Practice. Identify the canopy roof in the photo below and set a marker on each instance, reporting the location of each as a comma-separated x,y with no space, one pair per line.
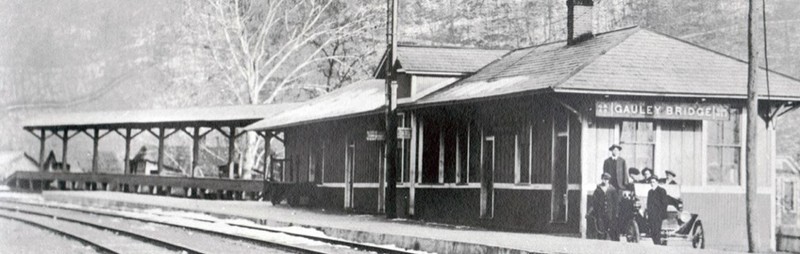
239,115
360,98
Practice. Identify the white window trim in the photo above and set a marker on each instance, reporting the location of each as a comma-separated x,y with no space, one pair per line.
458,159
742,159
517,171
530,152
441,156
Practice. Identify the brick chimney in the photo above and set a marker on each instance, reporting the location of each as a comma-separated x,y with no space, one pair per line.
579,21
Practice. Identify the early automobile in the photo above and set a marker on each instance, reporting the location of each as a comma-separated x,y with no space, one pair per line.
680,225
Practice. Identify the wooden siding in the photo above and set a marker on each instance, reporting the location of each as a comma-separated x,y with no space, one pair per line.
717,211
334,137
680,145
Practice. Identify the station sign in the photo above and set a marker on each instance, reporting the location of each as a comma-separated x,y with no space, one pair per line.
663,110
403,133
376,135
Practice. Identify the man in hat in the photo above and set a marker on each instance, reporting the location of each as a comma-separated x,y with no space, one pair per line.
605,206
615,166
657,201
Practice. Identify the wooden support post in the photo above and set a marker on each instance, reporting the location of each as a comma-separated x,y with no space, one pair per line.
231,146
160,149
65,145
195,149
267,171
127,159
95,143
42,139
412,166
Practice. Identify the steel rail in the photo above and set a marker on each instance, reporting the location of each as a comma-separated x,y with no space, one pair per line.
144,238
89,242
273,244
356,245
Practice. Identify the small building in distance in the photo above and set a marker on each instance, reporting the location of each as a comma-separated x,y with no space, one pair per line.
52,164
146,163
12,161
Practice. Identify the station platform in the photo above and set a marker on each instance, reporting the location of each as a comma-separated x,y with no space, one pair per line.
427,237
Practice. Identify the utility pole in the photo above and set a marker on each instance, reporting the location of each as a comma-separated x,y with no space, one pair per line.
390,203
752,129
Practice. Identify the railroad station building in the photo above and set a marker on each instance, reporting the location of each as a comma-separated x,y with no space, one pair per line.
516,139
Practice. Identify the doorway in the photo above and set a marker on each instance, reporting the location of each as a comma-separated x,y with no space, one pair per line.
560,166
487,178
349,170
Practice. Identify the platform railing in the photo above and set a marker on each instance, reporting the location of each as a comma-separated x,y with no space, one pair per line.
217,188
45,178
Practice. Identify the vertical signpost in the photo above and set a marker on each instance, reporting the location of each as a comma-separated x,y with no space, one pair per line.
391,111
752,120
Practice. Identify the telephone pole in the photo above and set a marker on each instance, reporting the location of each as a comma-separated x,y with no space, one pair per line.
390,204
752,129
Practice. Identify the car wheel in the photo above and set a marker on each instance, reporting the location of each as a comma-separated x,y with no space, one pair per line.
632,232
698,237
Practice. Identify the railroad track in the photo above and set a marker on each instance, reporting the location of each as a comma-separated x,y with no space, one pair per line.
121,232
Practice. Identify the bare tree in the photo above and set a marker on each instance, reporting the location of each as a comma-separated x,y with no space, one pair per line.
259,49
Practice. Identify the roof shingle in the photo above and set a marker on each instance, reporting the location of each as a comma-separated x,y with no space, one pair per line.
359,98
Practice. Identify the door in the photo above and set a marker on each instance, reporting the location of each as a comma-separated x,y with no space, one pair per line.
349,170
487,178
560,166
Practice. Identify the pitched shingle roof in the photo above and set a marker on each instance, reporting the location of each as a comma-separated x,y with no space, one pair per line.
360,98
649,62
627,61
528,69
443,59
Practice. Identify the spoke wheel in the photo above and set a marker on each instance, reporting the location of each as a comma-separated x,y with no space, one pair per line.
698,237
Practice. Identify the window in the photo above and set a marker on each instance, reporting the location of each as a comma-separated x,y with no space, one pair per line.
637,140
788,199
724,151
312,167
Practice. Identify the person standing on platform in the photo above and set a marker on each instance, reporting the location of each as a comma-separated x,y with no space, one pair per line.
605,208
656,209
615,166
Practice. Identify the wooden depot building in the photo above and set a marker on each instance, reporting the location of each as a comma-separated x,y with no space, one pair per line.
516,140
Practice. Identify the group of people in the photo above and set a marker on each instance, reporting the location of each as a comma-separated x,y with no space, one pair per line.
608,194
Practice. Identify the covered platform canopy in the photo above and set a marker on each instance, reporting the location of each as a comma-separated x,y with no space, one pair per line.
161,123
